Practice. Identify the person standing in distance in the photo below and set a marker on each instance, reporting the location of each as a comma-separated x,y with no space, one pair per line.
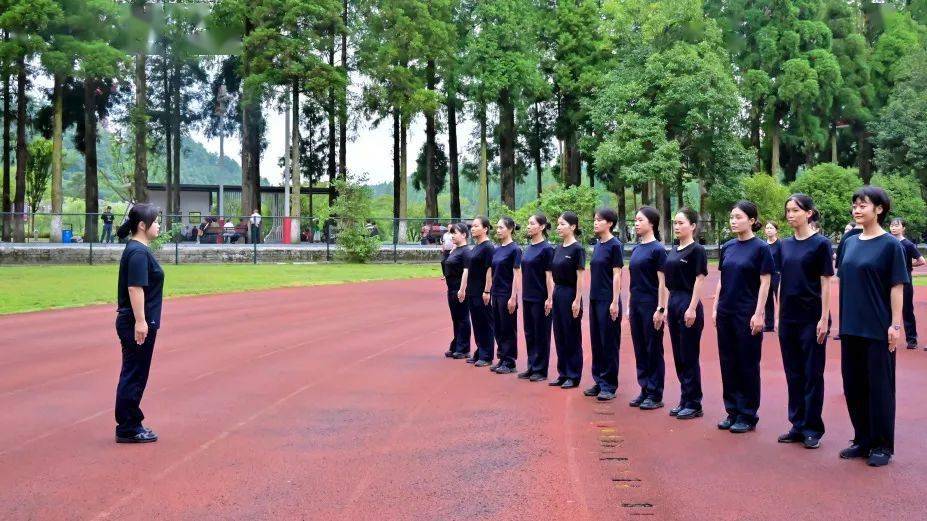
567,268
775,248
746,265
506,285
138,318
255,222
453,268
912,259
474,288
804,320
872,276
647,308
537,293
107,218
684,271
605,306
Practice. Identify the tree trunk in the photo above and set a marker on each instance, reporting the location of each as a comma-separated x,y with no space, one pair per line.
91,189
666,214
169,155
484,177
536,149
680,189
403,178
590,170
248,196
397,160
645,194
431,183
257,125
865,156
57,198
295,171
452,148
177,144
573,160
141,129
774,161
332,136
833,144
22,154
7,207
755,122
507,148
343,104
622,211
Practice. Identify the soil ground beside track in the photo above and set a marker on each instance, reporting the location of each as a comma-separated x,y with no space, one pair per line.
335,402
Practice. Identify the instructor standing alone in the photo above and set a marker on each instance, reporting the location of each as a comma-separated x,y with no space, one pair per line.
138,317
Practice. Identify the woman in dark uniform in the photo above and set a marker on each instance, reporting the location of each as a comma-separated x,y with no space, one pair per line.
506,282
646,308
474,288
775,248
804,320
537,292
684,271
138,317
872,275
454,266
605,306
912,258
740,303
567,268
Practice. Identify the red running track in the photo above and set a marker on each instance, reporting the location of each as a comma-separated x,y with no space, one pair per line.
335,402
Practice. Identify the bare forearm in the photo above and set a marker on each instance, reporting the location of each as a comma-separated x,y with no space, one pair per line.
825,298
897,301
137,299
696,292
763,295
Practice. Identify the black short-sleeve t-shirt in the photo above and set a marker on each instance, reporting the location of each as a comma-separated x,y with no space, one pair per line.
910,253
454,266
480,259
505,260
804,262
868,270
847,235
606,257
646,260
683,266
138,267
535,263
567,260
775,249
741,263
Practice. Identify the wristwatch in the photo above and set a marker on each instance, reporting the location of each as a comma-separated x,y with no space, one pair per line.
897,327
485,293
661,309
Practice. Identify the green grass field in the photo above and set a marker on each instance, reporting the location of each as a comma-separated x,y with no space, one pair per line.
920,280
33,288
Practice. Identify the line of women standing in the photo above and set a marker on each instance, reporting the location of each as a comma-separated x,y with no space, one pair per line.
665,292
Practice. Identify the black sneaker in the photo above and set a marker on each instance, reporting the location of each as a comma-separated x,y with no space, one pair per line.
537,377
879,458
504,369
558,382
726,423
912,346
791,437
569,384
649,405
605,396
675,410
854,451
481,363
741,427
688,414
526,375
471,360
493,367
460,356
637,401
449,354
811,442
592,391
146,436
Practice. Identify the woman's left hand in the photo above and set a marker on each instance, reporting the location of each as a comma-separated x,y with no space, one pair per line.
757,323
893,335
513,305
576,308
658,320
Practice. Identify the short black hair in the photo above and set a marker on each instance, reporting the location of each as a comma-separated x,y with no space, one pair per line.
608,215
901,221
878,197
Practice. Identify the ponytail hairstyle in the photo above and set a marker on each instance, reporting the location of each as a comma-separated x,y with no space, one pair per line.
608,215
653,216
484,222
541,219
509,223
461,228
806,203
749,208
140,213
691,215
572,220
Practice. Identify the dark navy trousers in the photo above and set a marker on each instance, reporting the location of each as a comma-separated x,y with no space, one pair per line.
648,349
605,337
481,320
460,320
568,335
505,327
537,336
907,316
136,363
771,301
686,343
869,387
803,359
739,352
